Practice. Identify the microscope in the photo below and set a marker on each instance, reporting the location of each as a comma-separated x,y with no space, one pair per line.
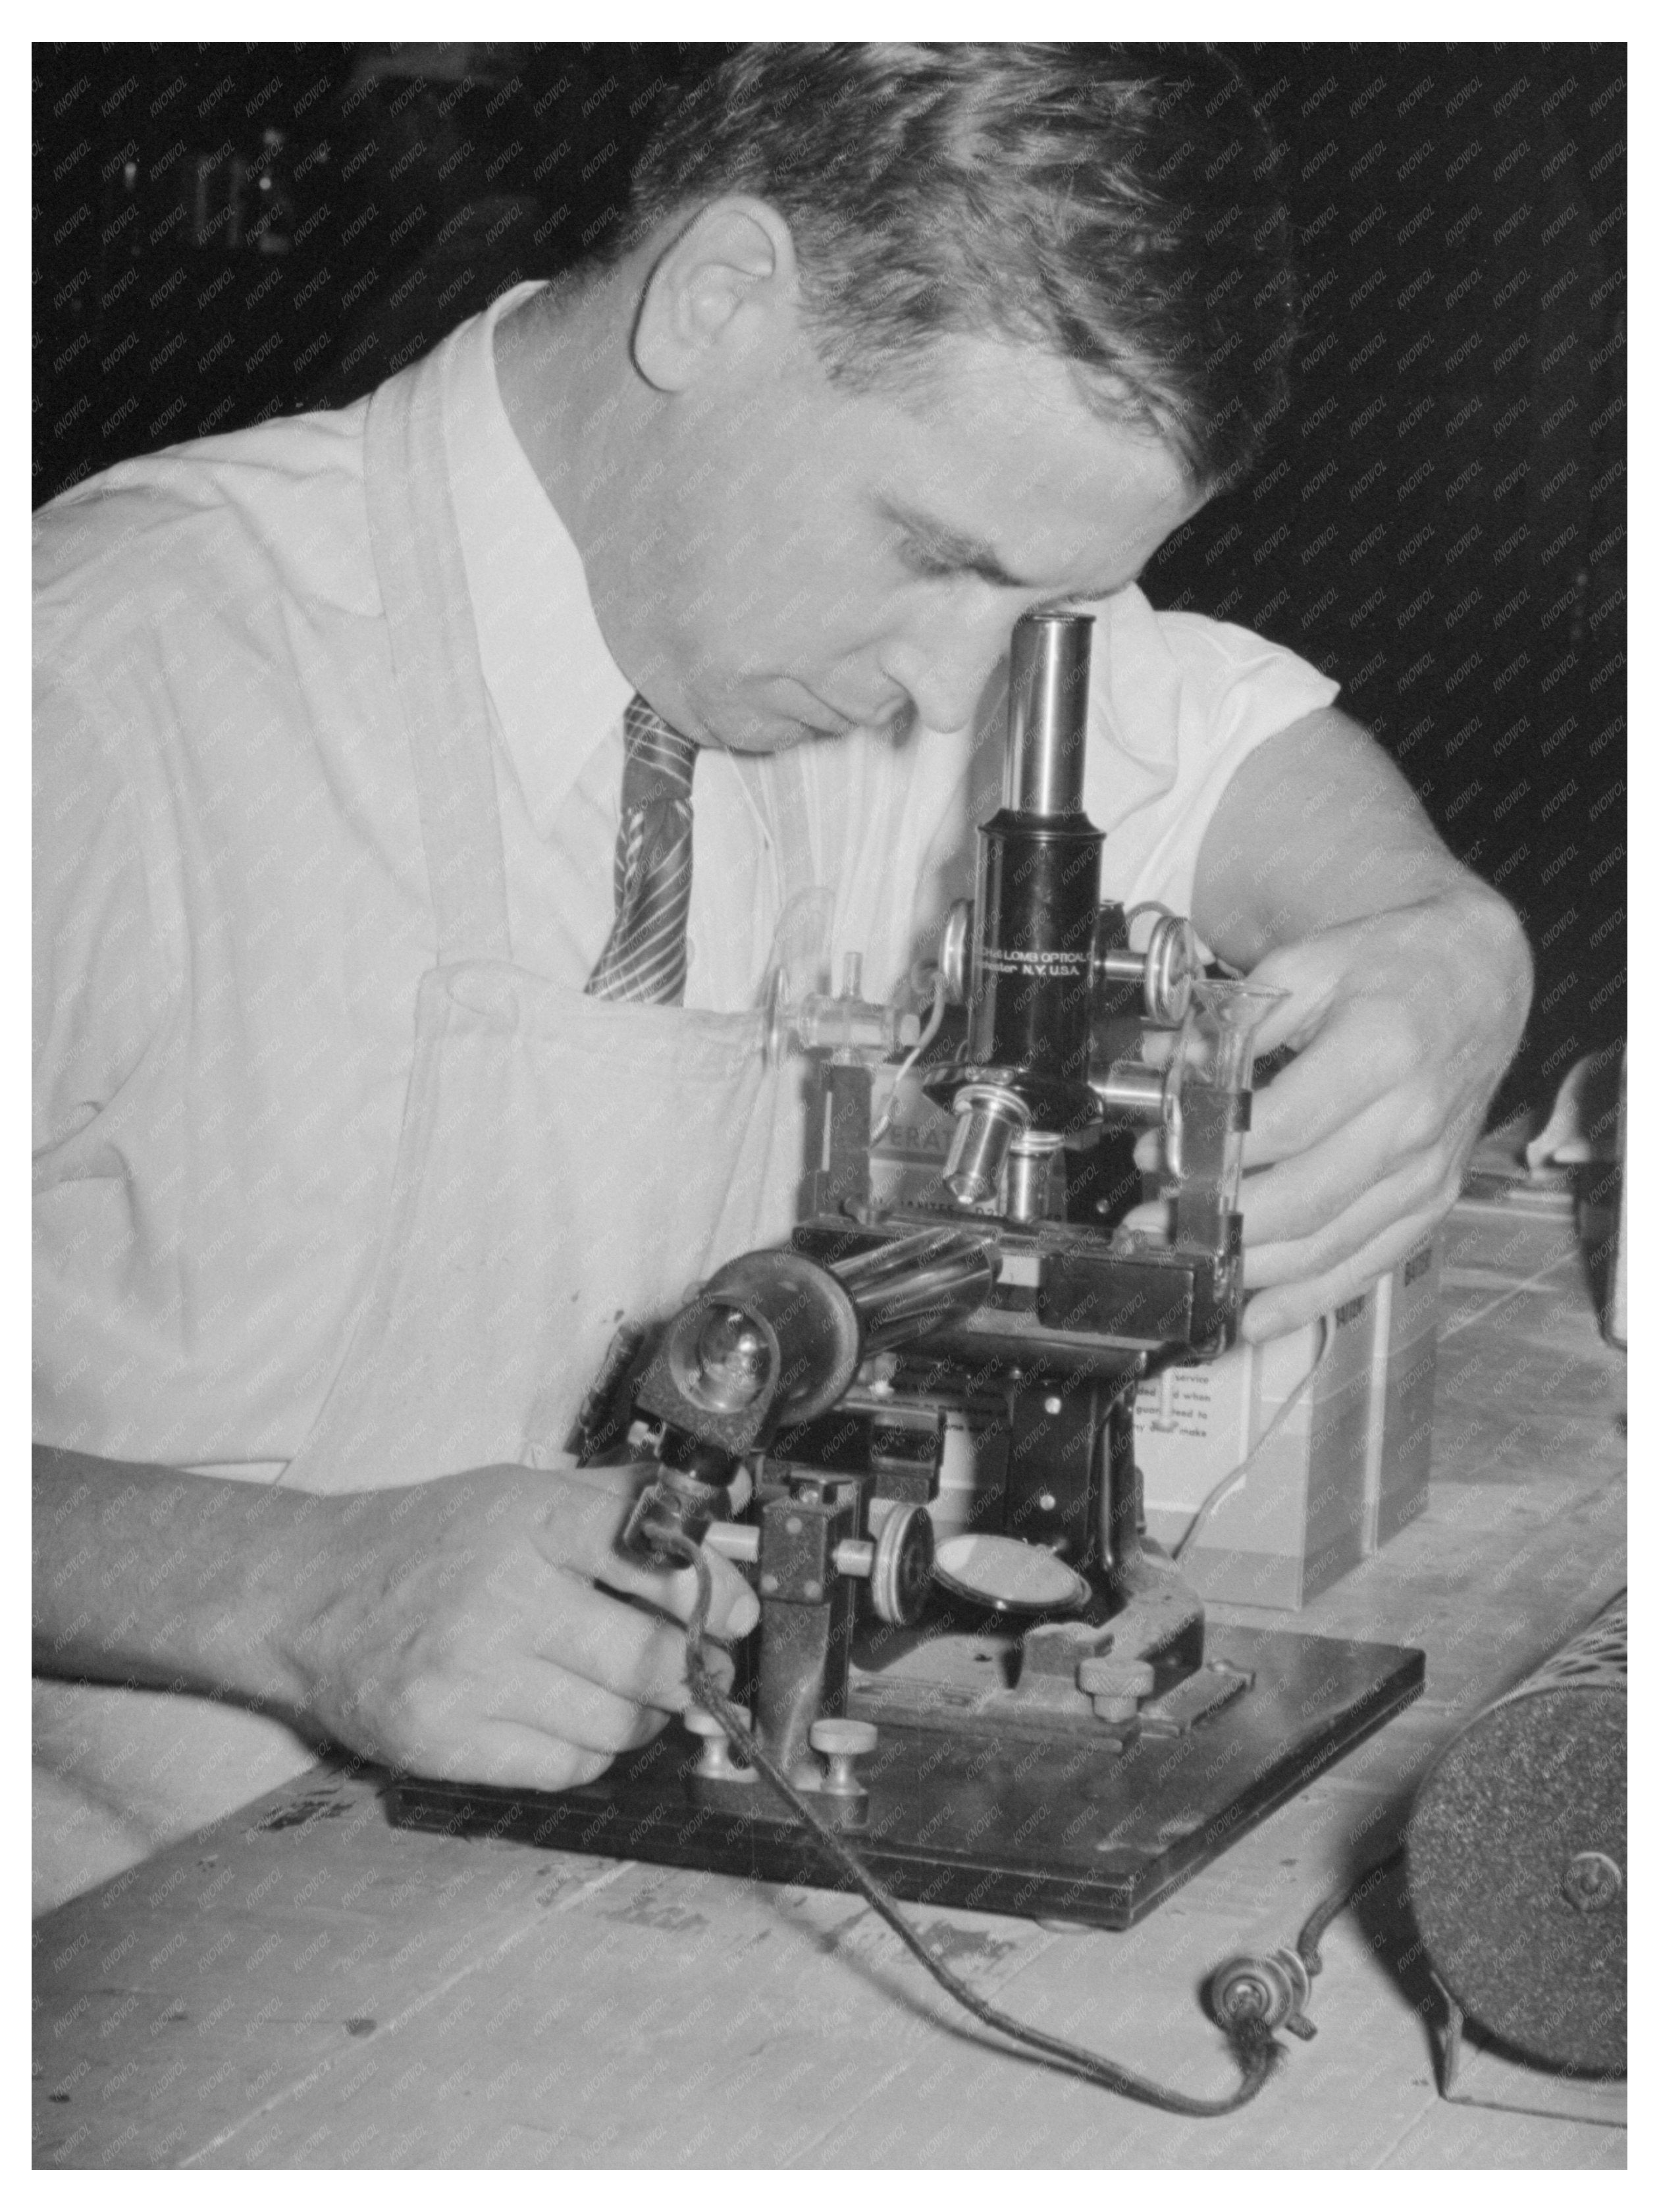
912,1425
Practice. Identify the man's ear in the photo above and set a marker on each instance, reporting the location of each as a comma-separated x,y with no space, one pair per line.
733,264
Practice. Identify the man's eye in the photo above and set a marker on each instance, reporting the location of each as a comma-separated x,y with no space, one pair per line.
923,561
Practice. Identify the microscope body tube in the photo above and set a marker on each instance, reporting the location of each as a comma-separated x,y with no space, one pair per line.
914,1284
1039,889
1047,716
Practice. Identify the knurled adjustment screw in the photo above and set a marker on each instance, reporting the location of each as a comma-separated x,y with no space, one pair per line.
714,1761
1592,1882
1117,1685
841,1743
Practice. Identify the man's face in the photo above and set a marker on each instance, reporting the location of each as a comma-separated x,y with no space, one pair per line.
821,559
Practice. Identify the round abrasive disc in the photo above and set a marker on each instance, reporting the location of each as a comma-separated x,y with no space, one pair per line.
1517,1866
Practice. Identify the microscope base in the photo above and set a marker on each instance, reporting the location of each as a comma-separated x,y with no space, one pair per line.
1095,1830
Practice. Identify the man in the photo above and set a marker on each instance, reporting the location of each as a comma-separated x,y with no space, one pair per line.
361,1115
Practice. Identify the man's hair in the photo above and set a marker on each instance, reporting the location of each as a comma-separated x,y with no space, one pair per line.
1114,206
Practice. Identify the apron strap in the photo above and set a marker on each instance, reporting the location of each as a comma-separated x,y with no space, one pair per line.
435,658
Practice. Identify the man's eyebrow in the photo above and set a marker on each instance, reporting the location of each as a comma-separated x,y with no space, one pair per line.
953,548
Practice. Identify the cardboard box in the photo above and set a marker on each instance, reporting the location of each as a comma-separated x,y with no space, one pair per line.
1308,1463
1403,1394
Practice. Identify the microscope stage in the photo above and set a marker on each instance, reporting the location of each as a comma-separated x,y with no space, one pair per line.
1080,1824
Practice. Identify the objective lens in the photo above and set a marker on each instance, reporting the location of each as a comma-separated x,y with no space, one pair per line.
988,1119
730,1361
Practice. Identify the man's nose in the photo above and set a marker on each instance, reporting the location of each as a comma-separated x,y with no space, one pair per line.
945,666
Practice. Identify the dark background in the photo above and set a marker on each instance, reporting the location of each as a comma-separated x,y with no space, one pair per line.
226,232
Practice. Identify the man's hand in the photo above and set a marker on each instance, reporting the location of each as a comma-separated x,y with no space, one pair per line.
479,1629
1402,1023
1408,985
482,1628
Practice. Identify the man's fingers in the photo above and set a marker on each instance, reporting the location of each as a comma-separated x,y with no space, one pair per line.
631,1650
1304,1000
1354,1065
1325,1199
583,1523
1302,1298
1294,1237
571,1708
1417,1192
485,1646
1341,1192
520,1757
734,1608
429,1722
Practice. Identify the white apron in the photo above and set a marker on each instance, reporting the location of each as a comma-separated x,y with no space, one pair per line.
563,1161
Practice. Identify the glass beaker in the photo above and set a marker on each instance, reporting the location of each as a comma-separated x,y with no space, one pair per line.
1209,1090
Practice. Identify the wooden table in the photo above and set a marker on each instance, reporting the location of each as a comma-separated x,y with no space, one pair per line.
304,1985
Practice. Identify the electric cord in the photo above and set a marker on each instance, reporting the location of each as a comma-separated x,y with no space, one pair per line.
1229,1483
1250,2037
1150,906
1274,1987
1307,1943
916,1050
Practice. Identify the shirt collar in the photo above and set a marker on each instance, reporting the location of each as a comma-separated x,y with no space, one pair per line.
558,694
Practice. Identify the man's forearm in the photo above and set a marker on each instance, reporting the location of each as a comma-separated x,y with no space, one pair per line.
1316,828
146,1576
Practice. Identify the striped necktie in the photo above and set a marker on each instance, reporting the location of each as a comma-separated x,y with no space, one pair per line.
644,956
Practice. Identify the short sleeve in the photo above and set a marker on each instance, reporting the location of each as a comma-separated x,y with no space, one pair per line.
100,981
1177,703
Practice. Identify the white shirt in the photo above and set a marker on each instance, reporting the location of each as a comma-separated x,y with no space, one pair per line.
231,907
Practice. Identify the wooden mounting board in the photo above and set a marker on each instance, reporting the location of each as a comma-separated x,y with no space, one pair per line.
1062,1829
